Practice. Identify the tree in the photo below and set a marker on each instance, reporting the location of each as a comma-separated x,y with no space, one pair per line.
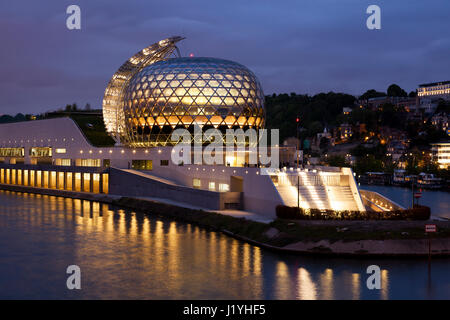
412,94
87,107
372,93
368,163
392,116
443,106
395,91
68,108
336,161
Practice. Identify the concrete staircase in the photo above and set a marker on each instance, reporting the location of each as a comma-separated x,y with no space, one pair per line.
320,197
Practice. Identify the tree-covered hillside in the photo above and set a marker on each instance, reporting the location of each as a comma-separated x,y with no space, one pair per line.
315,112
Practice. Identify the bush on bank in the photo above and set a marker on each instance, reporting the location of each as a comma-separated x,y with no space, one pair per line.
295,213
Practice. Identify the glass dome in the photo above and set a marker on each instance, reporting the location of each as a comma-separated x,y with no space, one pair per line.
183,92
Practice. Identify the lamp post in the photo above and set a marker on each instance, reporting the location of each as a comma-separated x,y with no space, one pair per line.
297,120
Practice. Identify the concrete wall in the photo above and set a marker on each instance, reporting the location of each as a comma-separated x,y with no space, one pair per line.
129,184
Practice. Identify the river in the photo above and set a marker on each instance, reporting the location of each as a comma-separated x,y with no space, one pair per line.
124,255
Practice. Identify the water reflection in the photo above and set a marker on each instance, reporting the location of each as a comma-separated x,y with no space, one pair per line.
126,254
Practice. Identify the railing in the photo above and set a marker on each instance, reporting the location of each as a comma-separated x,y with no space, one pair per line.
310,179
377,202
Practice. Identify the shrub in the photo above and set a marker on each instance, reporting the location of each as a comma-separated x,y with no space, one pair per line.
285,212
294,213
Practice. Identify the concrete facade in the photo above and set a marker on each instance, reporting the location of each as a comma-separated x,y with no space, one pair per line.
210,186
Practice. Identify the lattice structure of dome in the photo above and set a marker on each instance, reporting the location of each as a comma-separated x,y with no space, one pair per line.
161,94
113,116
183,92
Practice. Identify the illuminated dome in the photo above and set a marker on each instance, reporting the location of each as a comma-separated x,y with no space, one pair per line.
183,92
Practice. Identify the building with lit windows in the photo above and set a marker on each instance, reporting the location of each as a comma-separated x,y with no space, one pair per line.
429,95
150,96
441,154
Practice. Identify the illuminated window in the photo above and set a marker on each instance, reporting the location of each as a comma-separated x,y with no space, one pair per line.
223,187
8,176
196,183
25,177
69,181
13,176
32,178
105,183
52,182
212,186
12,152
96,183
19,177
2,175
63,162
77,181
87,182
45,179
88,162
142,164
61,180
40,152
60,150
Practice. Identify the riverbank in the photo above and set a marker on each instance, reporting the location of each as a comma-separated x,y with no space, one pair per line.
340,238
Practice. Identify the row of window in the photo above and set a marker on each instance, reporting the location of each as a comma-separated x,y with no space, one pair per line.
33,152
70,181
12,152
223,187
136,164
147,164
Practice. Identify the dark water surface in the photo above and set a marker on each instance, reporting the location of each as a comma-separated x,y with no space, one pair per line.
123,254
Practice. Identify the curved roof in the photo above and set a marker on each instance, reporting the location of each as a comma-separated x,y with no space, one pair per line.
112,101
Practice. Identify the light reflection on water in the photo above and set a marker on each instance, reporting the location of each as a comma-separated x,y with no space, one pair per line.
123,254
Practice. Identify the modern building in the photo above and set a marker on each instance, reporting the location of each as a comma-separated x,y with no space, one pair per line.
147,99
441,154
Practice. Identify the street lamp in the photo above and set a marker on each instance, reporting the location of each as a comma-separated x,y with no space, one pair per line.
297,121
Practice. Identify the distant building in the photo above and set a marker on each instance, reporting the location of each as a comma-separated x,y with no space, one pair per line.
440,121
409,104
441,154
316,141
388,134
346,110
346,131
396,149
429,95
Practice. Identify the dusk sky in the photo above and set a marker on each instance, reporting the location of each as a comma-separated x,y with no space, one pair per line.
297,46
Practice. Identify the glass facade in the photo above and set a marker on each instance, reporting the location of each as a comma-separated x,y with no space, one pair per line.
184,92
112,100
87,182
